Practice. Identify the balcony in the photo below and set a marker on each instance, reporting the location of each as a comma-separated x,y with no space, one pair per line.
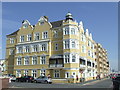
82,66
56,65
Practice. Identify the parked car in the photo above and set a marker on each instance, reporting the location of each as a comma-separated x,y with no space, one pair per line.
43,79
25,79
116,83
13,78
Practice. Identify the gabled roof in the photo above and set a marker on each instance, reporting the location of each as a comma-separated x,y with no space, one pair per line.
54,24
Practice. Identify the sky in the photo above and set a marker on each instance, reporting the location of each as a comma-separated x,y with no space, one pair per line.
100,18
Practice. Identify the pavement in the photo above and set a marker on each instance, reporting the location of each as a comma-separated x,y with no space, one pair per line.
103,83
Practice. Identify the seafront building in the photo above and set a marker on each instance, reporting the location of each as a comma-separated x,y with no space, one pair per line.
60,48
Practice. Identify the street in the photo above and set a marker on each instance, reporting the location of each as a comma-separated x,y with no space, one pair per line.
107,83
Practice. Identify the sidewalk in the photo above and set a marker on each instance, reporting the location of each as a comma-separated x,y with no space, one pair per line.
91,81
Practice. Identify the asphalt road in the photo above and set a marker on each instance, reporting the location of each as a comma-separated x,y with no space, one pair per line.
107,83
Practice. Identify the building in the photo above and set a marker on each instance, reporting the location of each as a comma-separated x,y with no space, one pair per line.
2,66
61,49
102,62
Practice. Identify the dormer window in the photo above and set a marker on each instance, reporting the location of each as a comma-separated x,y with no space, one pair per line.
41,20
41,23
25,23
25,26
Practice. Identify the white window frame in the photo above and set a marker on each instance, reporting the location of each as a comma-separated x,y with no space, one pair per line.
26,72
34,73
67,58
29,37
18,73
45,35
73,58
27,49
35,48
34,60
42,59
74,73
20,49
66,44
83,49
43,47
11,40
66,31
67,73
73,31
73,44
42,72
19,61
26,60
37,36
56,73
83,38
22,38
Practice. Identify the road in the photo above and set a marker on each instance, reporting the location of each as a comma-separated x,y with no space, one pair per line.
107,83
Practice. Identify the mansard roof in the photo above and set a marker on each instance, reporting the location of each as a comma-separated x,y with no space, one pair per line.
56,23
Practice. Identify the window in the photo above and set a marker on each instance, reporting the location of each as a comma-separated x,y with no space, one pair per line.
88,53
26,61
67,75
67,59
89,43
34,60
57,73
73,31
45,35
66,31
37,37
18,73
25,72
42,60
20,49
11,52
22,38
56,46
35,48
83,49
83,37
27,49
42,72
11,40
73,44
43,48
29,37
73,58
55,34
74,74
66,45
19,61
92,55
34,73
25,26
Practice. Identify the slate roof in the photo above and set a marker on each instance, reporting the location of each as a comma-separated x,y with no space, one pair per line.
54,24
13,33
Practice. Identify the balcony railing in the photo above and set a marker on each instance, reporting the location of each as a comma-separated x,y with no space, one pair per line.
82,66
56,65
